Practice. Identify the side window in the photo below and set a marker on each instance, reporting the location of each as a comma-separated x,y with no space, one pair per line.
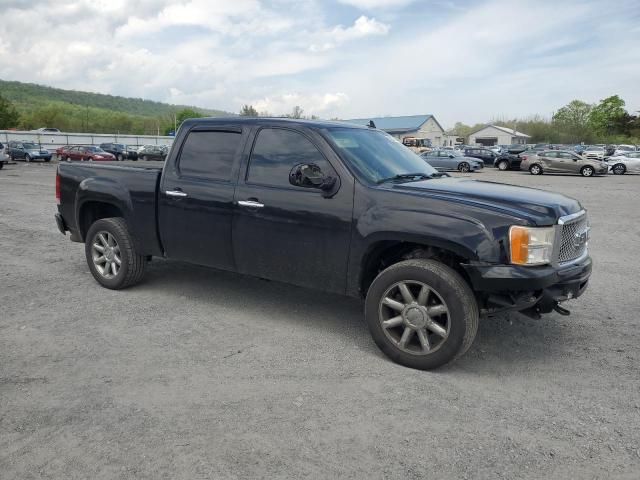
277,151
209,154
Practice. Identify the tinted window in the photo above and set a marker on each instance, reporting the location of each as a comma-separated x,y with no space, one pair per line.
208,154
276,152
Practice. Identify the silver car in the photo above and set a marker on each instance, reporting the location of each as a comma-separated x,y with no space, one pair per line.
562,161
621,164
450,160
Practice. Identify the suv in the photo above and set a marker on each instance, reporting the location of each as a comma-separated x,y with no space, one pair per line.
563,161
119,151
340,208
153,152
487,156
27,151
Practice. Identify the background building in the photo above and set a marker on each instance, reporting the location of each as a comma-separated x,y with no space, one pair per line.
494,135
419,126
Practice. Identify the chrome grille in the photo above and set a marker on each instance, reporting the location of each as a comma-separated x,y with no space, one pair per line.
575,233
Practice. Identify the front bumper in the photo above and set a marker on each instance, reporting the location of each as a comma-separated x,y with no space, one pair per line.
547,284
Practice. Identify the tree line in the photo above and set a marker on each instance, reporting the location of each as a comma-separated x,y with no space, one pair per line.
604,122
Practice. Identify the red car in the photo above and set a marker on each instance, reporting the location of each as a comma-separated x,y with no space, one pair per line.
79,152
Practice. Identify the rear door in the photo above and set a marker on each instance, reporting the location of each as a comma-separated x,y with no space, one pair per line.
434,160
195,201
295,234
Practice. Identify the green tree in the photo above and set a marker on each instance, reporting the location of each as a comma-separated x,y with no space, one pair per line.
185,114
572,120
296,112
608,117
248,111
9,116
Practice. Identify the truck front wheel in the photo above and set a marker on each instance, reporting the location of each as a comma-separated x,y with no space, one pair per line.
421,313
111,255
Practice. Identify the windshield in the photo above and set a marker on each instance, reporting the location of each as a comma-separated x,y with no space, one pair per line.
626,148
94,149
376,155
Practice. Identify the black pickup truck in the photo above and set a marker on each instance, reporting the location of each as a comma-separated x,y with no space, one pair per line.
339,208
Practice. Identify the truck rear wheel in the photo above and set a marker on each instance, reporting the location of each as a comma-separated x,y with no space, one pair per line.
421,313
111,255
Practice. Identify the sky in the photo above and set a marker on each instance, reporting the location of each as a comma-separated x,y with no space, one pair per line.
468,60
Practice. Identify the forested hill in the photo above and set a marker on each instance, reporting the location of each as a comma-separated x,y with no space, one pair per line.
29,96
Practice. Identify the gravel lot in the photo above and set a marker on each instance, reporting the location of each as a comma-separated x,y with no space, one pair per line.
203,374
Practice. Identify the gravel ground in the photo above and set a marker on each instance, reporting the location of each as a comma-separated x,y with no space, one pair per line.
203,374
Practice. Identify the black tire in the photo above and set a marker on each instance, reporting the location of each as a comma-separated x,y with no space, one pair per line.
27,158
619,169
463,167
503,165
1,164
67,159
120,158
145,158
535,169
47,160
462,316
132,265
587,171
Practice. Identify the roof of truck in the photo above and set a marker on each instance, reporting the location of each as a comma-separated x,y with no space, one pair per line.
272,120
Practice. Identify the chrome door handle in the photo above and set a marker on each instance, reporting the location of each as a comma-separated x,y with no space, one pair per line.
175,193
250,203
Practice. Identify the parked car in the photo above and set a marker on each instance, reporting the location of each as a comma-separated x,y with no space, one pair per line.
621,164
153,152
27,151
3,156
484,154
623,150
449,160
580,149
594,152
507,161
86,153
515,149
120,151
340,208
562,161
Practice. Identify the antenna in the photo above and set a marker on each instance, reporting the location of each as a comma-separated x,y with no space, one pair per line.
371,124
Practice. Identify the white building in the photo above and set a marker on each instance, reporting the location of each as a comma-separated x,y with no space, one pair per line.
418,126
494,135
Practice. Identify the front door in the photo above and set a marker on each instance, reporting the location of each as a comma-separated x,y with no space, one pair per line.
195,204
295,234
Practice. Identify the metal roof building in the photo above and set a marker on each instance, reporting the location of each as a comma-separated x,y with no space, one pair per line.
419,126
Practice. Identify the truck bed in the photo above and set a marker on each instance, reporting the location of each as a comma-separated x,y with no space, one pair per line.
132,188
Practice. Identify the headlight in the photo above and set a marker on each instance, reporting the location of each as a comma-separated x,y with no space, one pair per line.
531,246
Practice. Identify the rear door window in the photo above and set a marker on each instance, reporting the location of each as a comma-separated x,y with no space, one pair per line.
209,154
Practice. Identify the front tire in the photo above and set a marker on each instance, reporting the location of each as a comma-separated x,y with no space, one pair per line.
503,165
464,167
145,158
111,255
421,313
619,169
587,171
120,158
535,169
27,158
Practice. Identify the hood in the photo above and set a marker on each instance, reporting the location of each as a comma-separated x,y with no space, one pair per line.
536,206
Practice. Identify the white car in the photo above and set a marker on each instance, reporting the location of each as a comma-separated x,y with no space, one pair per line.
621,164
594,153
624,149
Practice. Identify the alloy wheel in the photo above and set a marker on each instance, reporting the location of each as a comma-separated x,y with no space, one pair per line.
105,253
414,317
464,167
619,169
587,171
503,165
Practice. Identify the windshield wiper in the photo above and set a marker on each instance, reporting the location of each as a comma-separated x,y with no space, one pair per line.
412,177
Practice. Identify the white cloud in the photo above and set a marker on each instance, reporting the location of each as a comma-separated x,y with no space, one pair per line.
314,103
362,27
376,4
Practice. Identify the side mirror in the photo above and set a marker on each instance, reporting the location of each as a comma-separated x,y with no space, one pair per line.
309,175
452,156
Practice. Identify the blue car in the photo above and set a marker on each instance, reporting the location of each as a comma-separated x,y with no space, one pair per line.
27,151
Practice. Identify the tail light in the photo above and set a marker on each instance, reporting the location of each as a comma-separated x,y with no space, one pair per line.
523,157
57,187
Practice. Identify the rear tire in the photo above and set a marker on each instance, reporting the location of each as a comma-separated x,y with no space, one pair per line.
535,169
449,307
503,165
587,171
112,235
120,158
619,169
27,158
